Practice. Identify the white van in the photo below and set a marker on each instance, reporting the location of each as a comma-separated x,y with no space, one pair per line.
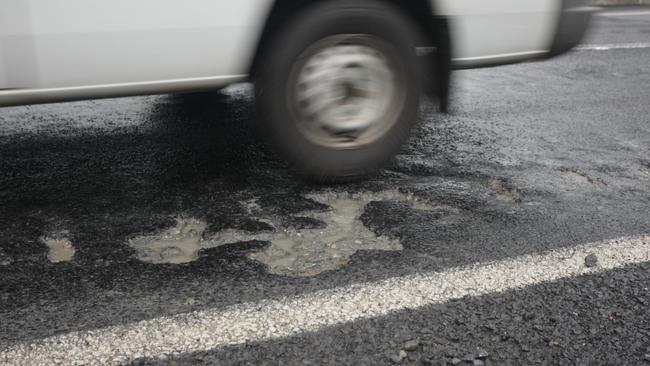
338,82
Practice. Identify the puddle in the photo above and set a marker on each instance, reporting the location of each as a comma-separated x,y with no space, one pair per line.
177,245
293,252
60,248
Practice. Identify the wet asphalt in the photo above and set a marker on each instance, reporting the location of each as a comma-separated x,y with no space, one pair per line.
532,157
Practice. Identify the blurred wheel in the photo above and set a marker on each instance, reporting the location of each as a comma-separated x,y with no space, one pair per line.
339,91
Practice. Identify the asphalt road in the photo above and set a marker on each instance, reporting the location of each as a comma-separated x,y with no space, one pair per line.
514,230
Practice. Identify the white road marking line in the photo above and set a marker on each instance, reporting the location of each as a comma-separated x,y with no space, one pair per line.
612,46
272,319
623,13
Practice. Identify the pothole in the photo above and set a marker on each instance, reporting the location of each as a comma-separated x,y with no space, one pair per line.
325,242
60,248
176,245
505,191
579,177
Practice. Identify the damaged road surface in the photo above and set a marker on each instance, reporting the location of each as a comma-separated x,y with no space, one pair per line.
308,244
161,230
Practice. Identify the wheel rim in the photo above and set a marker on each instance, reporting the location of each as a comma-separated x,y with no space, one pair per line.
345,92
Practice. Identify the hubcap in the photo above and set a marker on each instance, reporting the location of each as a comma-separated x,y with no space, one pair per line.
346,92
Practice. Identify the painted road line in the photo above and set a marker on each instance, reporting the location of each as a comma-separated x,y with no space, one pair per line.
273,319
612,46
623,13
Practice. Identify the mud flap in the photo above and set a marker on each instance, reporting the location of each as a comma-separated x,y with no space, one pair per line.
437,63
443,64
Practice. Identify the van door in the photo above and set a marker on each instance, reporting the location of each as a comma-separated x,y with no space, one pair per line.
72,43
492,31
17,53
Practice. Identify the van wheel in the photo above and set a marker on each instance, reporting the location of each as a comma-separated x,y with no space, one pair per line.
338,90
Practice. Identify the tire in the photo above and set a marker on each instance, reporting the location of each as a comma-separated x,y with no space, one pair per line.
338,90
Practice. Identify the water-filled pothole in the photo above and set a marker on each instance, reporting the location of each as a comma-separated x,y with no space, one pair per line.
176,245
60,248
321,241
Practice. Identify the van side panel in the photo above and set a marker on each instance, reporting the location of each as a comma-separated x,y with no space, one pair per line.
487,32
75,43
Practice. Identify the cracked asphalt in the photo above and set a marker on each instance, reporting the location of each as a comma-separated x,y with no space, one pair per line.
534,158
